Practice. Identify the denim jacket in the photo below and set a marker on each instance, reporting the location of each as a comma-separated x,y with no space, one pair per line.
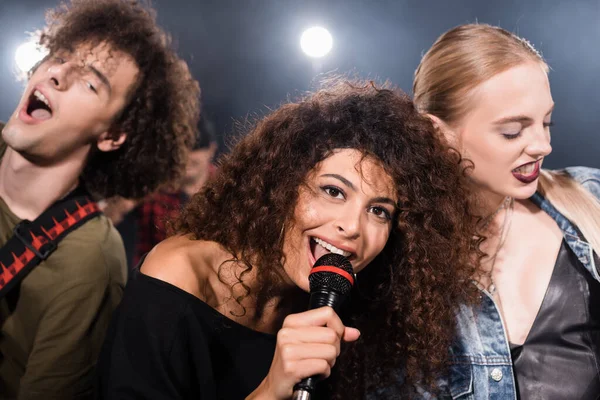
481,365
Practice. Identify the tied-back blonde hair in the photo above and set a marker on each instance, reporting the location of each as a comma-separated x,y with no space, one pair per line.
465,57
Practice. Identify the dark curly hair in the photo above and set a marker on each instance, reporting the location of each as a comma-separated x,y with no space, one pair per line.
161,116
405,300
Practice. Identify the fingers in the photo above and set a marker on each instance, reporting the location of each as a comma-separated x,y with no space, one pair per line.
308,344
324,316
309,334
351,334
305,368
302,351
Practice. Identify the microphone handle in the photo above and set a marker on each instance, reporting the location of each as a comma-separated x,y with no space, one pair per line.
319,298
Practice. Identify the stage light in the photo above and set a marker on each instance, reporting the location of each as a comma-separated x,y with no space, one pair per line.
28,54
316,42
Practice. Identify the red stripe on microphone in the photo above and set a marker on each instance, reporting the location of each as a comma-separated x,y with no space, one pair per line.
335,270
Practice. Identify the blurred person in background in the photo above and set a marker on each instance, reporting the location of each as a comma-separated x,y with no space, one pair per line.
143,224
154,211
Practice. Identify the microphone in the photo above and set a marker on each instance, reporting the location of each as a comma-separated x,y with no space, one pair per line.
330,279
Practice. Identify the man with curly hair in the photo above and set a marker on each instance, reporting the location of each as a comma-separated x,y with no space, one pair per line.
112,110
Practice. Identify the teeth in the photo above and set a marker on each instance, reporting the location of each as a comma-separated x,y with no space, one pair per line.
41,97
332,248
526,169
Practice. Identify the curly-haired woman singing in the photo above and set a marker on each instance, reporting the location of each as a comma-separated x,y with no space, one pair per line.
216,311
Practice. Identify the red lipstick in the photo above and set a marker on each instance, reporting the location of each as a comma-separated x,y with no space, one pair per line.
529,177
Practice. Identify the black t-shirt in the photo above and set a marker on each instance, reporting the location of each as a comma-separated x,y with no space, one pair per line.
164,343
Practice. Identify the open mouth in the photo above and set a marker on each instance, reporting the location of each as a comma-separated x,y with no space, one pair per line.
319,248
527,173
38,106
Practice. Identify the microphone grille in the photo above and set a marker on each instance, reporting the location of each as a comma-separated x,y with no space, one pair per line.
332,271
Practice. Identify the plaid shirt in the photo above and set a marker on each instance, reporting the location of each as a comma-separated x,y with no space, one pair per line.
152,215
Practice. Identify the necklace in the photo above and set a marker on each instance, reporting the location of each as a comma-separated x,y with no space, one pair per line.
486,221
507,204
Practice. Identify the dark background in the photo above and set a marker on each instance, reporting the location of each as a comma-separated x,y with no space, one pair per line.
247,57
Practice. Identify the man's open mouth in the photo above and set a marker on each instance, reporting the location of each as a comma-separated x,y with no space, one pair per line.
38,106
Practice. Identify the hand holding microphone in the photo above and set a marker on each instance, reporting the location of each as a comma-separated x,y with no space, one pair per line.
308,343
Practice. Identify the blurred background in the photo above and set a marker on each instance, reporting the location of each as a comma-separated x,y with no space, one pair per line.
248,58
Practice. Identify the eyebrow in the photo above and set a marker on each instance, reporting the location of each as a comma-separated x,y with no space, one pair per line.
102,77
346,182
523,119
386,200
341,178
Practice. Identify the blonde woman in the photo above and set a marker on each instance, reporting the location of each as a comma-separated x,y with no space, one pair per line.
536,332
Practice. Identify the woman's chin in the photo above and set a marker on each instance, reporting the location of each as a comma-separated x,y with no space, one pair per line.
525,192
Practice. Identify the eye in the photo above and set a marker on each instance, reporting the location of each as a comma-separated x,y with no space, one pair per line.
380,212
548,124
511,136
59,60
334,192
91,87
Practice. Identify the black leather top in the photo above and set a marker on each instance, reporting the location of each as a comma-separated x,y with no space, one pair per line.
560,357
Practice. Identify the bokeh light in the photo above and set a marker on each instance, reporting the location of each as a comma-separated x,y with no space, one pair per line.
28,54
316,42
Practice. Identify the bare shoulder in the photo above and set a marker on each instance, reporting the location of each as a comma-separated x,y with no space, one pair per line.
179,261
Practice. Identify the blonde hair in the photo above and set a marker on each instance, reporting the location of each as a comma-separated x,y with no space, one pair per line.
468,55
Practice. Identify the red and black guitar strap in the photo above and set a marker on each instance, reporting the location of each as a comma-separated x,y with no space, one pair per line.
34,241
